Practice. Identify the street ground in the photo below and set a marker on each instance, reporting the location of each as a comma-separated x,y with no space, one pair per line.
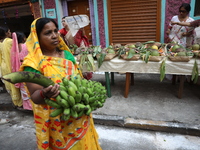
149,100
19,134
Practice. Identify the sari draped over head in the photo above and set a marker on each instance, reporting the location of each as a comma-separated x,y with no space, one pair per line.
5,50
53,133
17,57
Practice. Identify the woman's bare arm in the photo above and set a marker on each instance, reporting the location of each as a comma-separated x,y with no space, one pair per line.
181,23
38,93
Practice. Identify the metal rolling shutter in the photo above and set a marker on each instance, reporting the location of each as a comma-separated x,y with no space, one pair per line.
133,21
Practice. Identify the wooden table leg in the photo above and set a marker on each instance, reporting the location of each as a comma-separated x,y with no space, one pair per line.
108,84
132,78
112,78
181,85
174,79
127,84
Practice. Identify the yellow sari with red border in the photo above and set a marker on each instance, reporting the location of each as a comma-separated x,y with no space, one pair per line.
53,133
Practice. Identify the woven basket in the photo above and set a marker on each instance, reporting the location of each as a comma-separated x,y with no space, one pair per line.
135,57
156,58
197,53
108,56
180,58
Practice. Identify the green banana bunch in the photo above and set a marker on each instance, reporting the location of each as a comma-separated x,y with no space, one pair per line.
81,96
77,96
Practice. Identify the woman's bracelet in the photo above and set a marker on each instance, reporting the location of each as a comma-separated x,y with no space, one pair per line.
42,94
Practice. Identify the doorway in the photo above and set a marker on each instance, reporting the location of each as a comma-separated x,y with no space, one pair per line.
18,17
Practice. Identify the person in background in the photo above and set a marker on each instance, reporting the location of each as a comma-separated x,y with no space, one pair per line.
79,39
193,24
179,34
18,52
49,55
5,50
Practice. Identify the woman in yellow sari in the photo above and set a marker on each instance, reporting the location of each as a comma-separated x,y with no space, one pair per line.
5,48
49,55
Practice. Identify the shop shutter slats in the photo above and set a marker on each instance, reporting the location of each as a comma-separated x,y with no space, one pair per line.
134,21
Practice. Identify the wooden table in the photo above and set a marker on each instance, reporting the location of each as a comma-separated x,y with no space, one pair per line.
139,66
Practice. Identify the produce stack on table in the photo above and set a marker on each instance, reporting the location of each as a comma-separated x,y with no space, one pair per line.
178,53
77,96
147,51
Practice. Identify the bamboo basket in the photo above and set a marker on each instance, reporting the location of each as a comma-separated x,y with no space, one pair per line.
156,58
108,56
180,58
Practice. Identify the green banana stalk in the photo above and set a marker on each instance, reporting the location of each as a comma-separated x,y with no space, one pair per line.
25,76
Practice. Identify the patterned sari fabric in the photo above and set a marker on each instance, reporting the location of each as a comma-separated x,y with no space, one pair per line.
177,31
5,48
16,58
53,133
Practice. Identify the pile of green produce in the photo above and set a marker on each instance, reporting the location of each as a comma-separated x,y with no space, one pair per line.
175,50
77,97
